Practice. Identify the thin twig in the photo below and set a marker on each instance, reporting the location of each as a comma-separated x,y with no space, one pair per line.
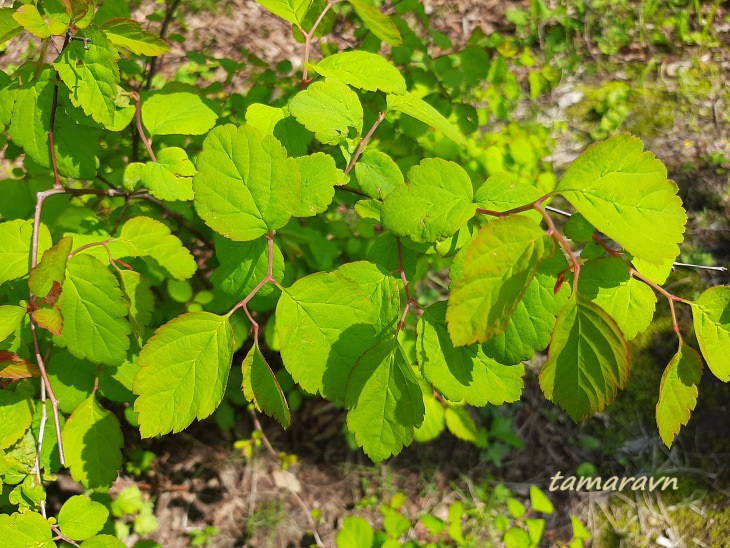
169,15
52,123
671,298
555,233
140,128
702,267
364,142
308,39
410,301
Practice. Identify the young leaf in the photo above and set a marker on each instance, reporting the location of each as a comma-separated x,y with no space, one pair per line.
261,387
31,20
539,501
624,192
362,70
92,439
711,315
460,424
129,34
503,191
678,392
379,24
81,518
51,269
76,9
264,117
184,371
414,106
293,11
14,368
246,185
464,373
325,322
243,265
630,302
434,203
94,312
179,113
16,413
15,242
588,359
23,530
328,109
10,318
140,300
384,401
498,268
169,178
377,174
91,74
319,178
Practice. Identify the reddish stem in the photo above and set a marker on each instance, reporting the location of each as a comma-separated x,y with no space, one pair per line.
671,298
308,39
140,129
553,232
364,142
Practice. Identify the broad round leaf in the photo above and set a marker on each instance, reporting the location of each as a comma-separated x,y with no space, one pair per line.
678,392
81,518
712,326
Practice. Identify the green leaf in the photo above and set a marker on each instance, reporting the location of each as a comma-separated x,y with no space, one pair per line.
608,283
460,424
678,392
325,322
72,379
261,387
588,359
243,265
246,185
379,24
178,113
624,192
140,300
434,203
81,518
433,420
76,9
293,11
94,312
355,533
16,413
384,401
377,174
414,106
264,118
92,439
129,34
503,191
10,318
170,177
498,268
464,373
91,75
517,538
51,269
362,70
15,243
328,109
382,290
24,530
535,529
107,541
9,27
184,371
31,20
579,229
319,178
711,315
539,501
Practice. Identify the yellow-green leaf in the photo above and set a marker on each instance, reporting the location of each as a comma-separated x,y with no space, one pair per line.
678,392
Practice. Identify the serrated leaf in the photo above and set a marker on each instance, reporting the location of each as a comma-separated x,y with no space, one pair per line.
179,113
129,34
151,238
460,424
378,23
362,70
92,439
579,229
325,322
711,314
498,268
630,302
588,359
624,192
24,530
51,269
72,379
95,325
164,180
81,518
140,300
91,75
14,367
31,20
414,106
293,11
76,9
15,244
246,185
319,178
384,401
9,27
261,387
464,373
243,265
382,290
16,413
328,109
434,203
377,174
503,191
678,392
184,371
10,318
